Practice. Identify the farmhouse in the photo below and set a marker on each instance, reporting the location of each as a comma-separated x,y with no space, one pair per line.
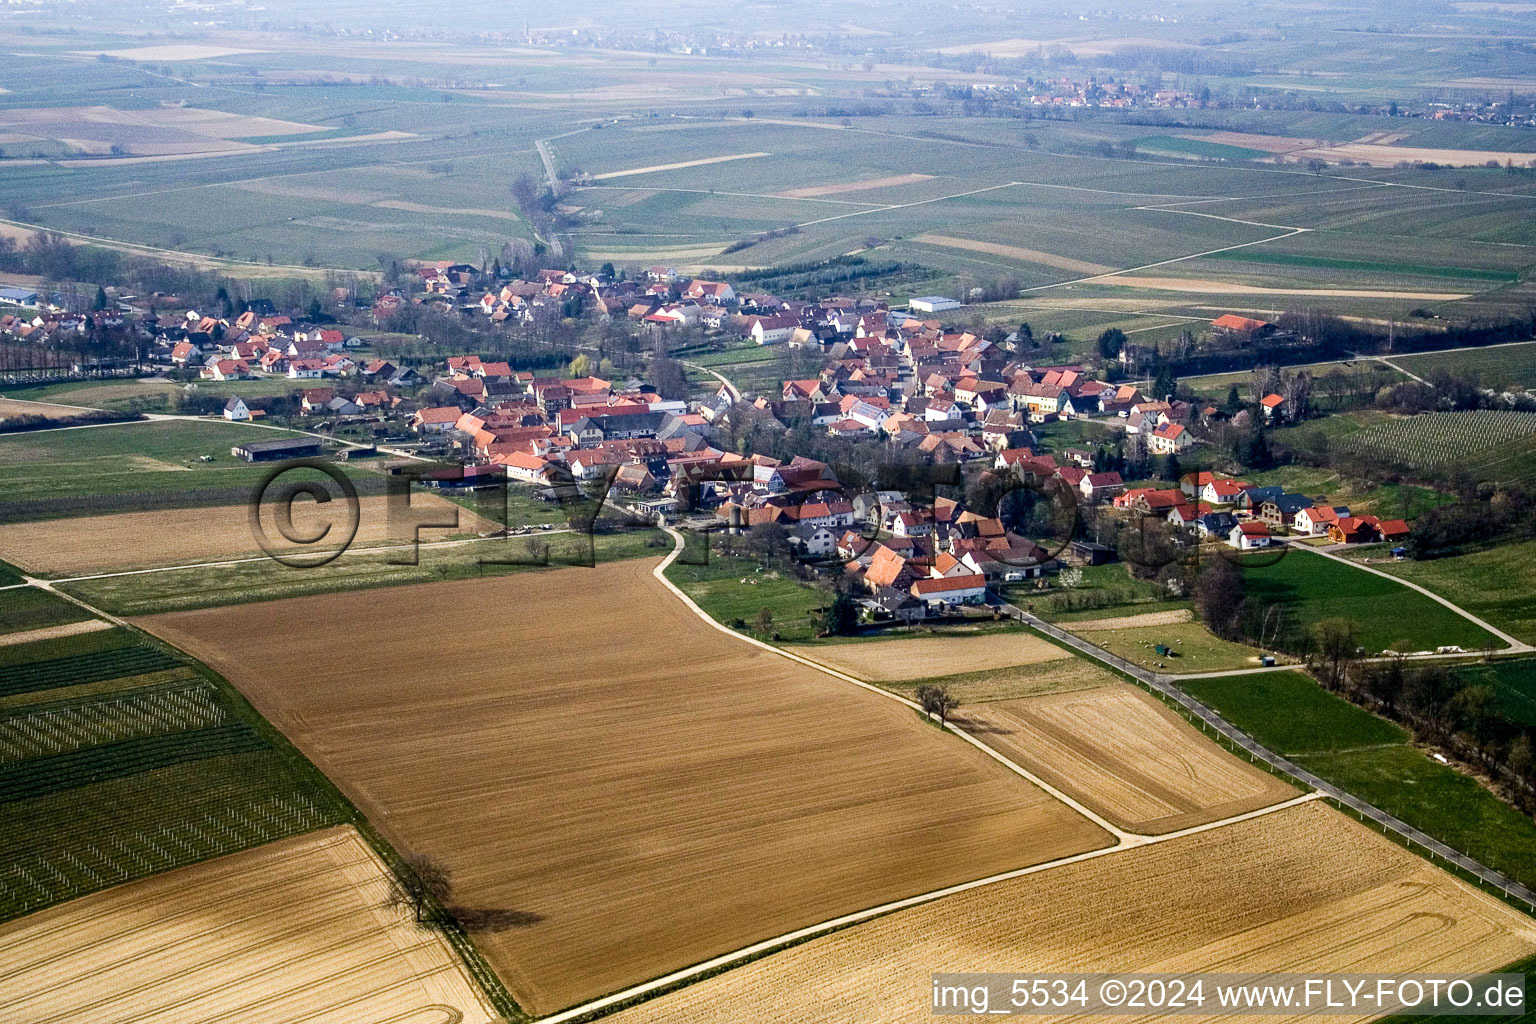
268,451
944,592
1235,327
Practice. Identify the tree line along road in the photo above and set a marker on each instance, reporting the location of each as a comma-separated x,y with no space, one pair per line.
1162,685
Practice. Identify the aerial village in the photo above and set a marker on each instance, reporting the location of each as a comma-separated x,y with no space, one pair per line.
896,379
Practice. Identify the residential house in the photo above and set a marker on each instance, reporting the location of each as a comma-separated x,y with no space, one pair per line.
1248,536
1169,439
1097,487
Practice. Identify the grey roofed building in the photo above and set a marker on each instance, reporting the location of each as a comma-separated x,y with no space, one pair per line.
284,448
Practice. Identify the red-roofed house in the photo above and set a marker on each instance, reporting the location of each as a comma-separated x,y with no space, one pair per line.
944,592
1169,439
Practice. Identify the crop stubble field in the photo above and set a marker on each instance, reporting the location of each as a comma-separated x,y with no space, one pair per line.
294,930
1125,755
926,657
651,802
1300,889
180,536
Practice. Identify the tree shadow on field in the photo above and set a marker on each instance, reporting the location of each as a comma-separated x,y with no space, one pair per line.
976,726
490,919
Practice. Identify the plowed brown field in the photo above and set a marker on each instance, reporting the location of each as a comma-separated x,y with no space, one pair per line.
291,931
644,791
1303,889
1125,756
181,536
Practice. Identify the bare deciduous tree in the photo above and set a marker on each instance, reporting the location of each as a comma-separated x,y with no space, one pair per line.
421,884
937,700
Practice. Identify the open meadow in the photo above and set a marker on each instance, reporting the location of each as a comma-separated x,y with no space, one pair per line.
155,464
293,930
1300,889
1497,584
1310,588
1125,755
648,762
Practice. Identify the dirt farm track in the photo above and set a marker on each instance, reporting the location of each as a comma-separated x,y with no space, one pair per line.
1302,889
637,790
291,931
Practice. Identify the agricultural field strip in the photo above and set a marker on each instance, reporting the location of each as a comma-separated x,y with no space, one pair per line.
767,945
679,542
1168,686
324,895
738,195
1126,838
49,584
150,250
248,181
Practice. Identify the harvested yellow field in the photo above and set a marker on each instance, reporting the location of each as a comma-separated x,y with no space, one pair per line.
292,931
1390,156
1303,889
813,191
677,166
11,407
182,536
1250,140
1167,618
929,656
1126,756
53,632
645,791
1017,252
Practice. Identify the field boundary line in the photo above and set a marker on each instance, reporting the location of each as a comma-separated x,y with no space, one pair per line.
1123,837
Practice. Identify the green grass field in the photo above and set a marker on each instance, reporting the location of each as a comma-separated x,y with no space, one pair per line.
120,759
1497,585
1289,712
1514,686
1372,758
731,588
1280,259
26,608
130,466
1312,588
1195,648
